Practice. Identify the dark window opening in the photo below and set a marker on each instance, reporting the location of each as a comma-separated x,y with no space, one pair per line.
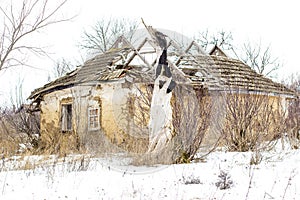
66,118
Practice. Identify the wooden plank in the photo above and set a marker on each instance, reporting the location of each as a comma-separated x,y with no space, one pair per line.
136,52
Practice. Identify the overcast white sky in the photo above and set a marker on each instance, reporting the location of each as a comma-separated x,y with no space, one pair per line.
272,22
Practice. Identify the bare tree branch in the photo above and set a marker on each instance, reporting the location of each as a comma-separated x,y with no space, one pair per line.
18,24
260,59
221,38
61,68
105,32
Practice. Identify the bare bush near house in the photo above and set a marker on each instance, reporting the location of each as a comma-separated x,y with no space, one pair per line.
139,110
18,129
251,121
293,117
26,124
21,124
191,121
192,109
9,142
293,123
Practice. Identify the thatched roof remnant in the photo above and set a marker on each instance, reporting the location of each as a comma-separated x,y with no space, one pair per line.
214,71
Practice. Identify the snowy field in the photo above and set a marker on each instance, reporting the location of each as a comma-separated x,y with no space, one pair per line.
222,175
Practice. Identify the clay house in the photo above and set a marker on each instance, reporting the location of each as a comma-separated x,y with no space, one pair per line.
107,98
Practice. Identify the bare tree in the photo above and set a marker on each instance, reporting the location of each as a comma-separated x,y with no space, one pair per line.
62,67
222,39
293,82
20,23
260,59
105,32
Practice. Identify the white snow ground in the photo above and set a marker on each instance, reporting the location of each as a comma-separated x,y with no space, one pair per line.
276,177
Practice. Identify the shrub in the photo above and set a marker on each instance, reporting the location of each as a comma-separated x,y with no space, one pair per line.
224,182
293,123
250,120
191,121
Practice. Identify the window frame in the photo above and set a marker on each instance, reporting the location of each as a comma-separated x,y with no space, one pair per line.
97,116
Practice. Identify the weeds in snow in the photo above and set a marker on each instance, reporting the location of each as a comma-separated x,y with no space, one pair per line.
251,175
292,175
224,182
191,180
256,158
66,164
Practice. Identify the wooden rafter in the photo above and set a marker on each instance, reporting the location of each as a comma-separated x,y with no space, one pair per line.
137,53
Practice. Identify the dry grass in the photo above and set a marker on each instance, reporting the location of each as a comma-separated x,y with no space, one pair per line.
56,142
66,163
9,142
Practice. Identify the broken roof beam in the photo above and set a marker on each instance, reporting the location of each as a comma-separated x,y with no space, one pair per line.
199,48
168,45
121,42
193,43
176,46
152,43
180,73
136,52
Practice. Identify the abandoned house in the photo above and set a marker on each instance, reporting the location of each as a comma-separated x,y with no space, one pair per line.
108,97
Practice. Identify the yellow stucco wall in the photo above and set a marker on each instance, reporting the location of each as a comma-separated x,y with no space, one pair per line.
115,122
119,125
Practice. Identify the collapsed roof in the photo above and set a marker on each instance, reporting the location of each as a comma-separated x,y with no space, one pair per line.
214,71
